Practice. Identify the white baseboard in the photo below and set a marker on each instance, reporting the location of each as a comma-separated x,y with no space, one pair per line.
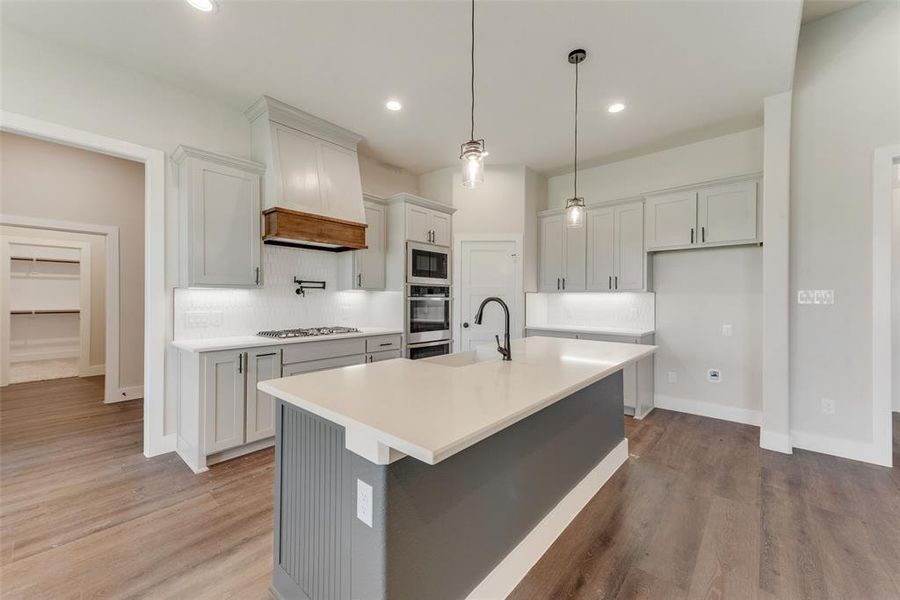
776,441
128,393
506,576
708,409
844,448
93,371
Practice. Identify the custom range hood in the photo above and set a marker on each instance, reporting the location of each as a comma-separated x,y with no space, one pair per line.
312,197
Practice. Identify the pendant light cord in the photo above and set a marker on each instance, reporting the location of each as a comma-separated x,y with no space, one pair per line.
576,131
472,131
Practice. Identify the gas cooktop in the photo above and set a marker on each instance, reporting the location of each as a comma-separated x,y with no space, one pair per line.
307,332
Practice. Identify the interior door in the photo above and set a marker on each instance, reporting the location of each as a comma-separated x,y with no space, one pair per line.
487,268
418,223
600,229
261,365
629,248
370,262
440,225
225,223
671,220
551,253
727,213
575,260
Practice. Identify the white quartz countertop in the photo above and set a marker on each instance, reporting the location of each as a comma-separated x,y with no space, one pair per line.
624,331
254,341
431,409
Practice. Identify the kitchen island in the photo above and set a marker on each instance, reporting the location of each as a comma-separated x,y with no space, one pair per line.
440,478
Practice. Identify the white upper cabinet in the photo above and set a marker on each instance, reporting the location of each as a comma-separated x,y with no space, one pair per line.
629,248
440,229
600,226
365,269
562,265
575,259
728,213
219,219
418,224
427,226
552,252
671,220
615,249
711,215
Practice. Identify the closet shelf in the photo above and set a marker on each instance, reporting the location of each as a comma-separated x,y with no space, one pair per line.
46,311
68,261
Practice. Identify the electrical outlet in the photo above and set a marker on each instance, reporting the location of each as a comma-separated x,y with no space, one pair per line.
673,377
823,296
828,406
196,320
727,330
805,297
714,375
364,502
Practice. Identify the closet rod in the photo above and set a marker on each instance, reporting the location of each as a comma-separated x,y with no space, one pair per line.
45,312
68,261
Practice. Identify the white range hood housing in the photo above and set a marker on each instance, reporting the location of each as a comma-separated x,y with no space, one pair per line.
312,170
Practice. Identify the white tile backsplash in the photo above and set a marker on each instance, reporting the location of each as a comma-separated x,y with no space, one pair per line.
617,311
209,313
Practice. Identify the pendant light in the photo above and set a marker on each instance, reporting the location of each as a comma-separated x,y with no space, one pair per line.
472,152
575,205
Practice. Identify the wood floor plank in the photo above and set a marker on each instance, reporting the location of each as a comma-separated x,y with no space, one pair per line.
697,511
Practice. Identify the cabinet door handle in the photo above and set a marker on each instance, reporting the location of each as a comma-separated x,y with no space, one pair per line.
266,354
557,283
240,364
616,279
359,280
386,344
692,235
257,275
703,234
564,283
609,286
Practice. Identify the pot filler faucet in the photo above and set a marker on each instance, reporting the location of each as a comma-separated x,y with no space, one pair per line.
502,349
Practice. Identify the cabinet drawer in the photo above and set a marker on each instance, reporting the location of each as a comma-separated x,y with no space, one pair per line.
320,365
383,343
294,353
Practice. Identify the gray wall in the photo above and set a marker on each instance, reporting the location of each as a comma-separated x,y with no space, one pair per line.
846,104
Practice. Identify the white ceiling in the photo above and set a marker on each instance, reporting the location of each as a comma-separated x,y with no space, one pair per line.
685,69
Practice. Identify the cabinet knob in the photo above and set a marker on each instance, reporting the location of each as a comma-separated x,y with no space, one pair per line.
465,325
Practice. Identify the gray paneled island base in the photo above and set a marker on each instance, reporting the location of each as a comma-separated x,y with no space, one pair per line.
434,518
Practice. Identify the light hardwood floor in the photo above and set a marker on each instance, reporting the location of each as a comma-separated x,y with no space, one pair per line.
697,512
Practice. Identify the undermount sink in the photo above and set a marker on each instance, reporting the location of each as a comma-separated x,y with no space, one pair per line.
485,353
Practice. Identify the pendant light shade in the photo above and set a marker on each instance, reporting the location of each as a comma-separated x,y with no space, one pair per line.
472,153
575,204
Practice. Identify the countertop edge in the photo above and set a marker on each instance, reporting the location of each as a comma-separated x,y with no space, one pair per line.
355,429
251,341
598,330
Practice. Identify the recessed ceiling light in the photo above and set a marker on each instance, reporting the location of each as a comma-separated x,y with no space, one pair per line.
393,105
203,5
617,107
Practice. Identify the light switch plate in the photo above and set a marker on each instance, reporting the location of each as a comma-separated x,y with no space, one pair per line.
364,502
805,297
823,296
727,330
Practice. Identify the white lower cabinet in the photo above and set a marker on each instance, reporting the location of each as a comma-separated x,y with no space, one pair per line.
260,418
637,378
220,412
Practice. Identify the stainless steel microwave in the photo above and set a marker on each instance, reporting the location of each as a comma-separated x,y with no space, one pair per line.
427,264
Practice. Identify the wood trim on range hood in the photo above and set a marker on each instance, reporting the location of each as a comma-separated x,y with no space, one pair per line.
286,227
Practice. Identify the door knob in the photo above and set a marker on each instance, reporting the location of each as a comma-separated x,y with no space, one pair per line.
466,324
